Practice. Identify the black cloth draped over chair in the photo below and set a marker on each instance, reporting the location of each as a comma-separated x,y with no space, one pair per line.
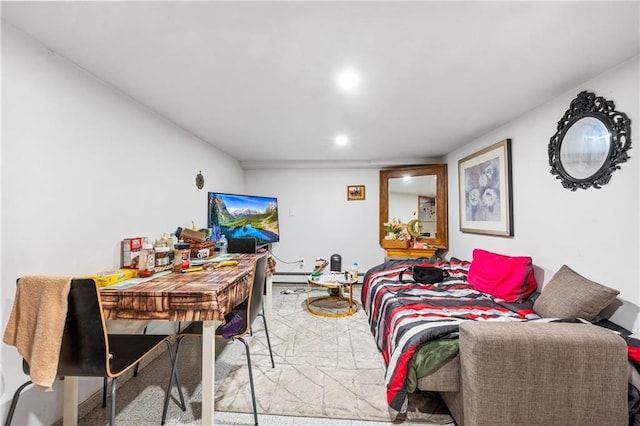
89,351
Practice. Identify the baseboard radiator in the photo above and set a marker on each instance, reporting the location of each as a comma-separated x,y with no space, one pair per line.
292,277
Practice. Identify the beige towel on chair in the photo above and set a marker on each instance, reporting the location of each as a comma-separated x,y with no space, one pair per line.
36,324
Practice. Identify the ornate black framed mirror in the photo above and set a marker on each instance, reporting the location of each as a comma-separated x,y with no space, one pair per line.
591,141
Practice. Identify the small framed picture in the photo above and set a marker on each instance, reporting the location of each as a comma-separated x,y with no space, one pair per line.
355,192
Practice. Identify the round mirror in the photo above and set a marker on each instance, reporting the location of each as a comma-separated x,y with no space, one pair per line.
591,141
585,147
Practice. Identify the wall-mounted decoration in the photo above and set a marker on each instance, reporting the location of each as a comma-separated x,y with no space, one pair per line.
199,180
355,192
590,143
485,191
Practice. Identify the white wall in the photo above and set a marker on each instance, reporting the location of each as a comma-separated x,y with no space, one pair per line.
595,232
83,167
316,220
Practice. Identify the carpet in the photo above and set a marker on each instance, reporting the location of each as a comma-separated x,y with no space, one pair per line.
324,367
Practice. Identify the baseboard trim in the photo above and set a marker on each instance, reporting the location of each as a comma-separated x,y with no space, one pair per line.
292,277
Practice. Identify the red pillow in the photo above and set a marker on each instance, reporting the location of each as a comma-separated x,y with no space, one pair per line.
506,277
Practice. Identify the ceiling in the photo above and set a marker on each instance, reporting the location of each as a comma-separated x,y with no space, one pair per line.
257,79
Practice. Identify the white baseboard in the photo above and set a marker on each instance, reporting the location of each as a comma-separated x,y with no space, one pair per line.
292,277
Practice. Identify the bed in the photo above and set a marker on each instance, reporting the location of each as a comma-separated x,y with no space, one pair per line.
415,325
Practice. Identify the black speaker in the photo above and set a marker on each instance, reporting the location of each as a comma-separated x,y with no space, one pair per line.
242,245
336,263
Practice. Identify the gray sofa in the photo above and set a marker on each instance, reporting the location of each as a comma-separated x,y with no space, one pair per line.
548,365
535,374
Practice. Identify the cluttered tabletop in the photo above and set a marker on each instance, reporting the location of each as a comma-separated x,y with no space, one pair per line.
206,294
196,284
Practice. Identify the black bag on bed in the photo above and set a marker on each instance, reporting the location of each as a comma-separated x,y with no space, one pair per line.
425,274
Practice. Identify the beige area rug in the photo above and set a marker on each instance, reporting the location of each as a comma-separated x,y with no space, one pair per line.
324,367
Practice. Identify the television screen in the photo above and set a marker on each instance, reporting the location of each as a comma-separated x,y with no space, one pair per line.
245,216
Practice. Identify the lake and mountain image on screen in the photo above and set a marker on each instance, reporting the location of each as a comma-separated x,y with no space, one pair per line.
245,216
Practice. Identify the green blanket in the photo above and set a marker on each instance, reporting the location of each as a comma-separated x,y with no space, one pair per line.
428,358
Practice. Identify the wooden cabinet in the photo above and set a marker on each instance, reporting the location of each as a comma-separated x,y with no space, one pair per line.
395,244
410,252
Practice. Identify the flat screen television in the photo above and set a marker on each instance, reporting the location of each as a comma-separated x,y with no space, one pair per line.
244,216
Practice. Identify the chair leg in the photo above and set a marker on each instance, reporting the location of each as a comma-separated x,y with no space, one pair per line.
14,402
266,331
104,384
253,392
174,373
112,415
135,369
104,392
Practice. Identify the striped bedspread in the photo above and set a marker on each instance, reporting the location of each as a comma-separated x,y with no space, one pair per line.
405,315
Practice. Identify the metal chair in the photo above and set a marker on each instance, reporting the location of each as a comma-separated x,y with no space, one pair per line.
249,310
105,382
89,351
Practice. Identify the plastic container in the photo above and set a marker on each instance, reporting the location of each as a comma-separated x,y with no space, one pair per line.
147,262
354,271
223,244
162,256
182,257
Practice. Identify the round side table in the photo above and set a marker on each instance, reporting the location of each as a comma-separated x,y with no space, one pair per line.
331,282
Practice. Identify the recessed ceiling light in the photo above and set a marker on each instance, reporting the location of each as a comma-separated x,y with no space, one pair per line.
341,140
348,79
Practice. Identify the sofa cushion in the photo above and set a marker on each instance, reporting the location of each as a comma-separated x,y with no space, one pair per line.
445,379
570,295
507,277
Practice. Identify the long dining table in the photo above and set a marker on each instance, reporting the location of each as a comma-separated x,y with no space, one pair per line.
206,296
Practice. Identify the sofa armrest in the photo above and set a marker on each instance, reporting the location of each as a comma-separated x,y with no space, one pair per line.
542,374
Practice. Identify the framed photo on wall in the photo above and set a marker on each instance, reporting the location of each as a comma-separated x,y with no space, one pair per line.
485,191
355,192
